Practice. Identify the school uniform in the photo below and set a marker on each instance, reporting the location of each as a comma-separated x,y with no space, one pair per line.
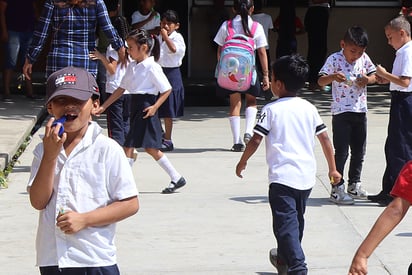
95,174
144,80
292,170
171,62
118,113
259,38
398,145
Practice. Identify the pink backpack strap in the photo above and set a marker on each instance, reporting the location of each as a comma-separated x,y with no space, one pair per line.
230,30
254,27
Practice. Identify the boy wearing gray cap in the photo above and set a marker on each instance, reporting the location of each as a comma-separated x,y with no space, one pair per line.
80,181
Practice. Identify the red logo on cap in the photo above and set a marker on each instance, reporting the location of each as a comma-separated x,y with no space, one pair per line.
70,78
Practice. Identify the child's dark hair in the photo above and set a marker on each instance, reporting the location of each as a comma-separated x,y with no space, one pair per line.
141,36
242,7
170,16
111,5
292,70
356,35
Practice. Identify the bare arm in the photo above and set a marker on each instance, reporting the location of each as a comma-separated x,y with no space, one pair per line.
264,61
115,96
151,110
327,79
72,222
169,42
386,222
110,65
398,80
42,187
219,49
328,151
251,148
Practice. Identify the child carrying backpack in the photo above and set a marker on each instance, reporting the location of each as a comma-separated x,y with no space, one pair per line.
235,70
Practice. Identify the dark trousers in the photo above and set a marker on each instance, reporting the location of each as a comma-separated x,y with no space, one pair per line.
118,118
398,145
349,131
316,26
103,270
288,208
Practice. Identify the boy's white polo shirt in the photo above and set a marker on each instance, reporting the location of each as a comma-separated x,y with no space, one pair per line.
290,125
402,66
94,175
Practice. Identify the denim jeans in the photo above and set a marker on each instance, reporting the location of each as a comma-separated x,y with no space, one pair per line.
17,46
349,131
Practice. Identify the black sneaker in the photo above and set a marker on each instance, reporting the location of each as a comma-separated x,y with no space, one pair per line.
276,262
173,186
377,197
238,147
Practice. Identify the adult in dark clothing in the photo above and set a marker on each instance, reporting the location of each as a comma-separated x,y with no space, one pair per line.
316,26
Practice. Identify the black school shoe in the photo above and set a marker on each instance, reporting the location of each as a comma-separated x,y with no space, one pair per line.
173,186
382,198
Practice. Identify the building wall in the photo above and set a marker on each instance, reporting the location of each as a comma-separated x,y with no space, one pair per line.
202,30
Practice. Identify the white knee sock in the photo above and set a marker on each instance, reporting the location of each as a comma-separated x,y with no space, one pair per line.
169,169
235,127
250,117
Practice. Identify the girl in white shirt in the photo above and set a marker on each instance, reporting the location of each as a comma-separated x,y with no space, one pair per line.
172,51
242,23
149,87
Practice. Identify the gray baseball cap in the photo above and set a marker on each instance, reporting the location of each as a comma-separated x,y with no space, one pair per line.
71,81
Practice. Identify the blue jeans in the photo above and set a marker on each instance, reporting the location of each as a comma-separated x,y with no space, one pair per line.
349,131
288,207
98,270
16,48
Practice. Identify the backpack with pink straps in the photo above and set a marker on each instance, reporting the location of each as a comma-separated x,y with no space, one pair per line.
235,70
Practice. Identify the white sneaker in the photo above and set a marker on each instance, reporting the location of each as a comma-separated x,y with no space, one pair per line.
339,196
355,191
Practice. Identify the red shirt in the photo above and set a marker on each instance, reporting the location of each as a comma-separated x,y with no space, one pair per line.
403,184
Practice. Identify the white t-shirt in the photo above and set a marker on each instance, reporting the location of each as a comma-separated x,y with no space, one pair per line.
113,80
152,24
266,21
402,66
347,96
146,77
169,59
259,37
95,174
290,125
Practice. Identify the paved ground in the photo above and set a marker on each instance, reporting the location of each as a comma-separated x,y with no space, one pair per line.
218,223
